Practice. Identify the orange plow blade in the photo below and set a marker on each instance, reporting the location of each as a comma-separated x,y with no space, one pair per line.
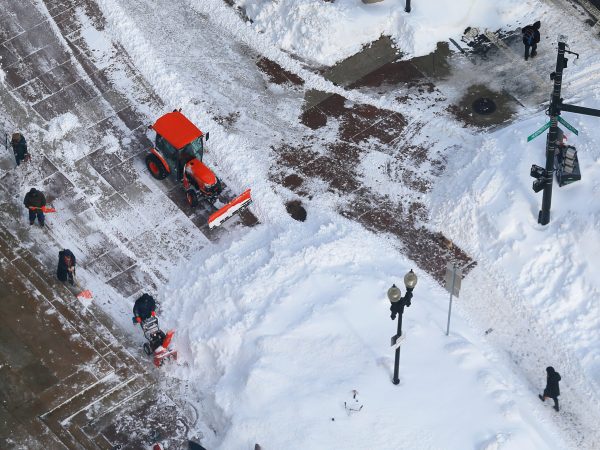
230,209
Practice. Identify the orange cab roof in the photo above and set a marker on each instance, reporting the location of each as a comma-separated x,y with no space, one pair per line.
176,129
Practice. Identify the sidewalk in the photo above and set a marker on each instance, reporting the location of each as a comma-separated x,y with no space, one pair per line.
79,378
61,361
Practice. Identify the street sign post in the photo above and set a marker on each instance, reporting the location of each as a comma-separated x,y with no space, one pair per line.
452,278
531,137
568,125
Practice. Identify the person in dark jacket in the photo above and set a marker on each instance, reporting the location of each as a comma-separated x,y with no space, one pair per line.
35,201
144,308
19,146
531,37
552,391
66,266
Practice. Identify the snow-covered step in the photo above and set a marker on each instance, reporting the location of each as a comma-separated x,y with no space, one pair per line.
122,395
83,399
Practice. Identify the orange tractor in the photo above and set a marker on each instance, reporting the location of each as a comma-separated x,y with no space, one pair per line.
178,152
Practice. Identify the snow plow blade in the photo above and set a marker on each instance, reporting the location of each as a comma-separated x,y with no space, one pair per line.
232,208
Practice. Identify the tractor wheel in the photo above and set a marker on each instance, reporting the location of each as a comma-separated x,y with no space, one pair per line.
156,167
147,349
192,197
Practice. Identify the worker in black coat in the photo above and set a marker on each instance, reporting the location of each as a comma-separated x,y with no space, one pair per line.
552,391
19,146
531,37
66,266
34,201
144,308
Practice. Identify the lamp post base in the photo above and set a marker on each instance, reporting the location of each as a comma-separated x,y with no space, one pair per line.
395,381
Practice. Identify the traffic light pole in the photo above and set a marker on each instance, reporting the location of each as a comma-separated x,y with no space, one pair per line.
556,106
554,112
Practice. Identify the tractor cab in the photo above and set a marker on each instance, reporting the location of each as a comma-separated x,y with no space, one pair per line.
178,141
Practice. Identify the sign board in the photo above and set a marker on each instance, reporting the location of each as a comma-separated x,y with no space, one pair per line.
396,341
456,273
531,137
568,125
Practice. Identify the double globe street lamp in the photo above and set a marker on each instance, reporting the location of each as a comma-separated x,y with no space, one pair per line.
397,308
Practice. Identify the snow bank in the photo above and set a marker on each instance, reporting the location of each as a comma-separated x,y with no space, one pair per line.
551,269
282,326
326,32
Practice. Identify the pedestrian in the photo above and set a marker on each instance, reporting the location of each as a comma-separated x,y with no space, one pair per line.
66,266
35,201
552,391
531,37
19,146
144,308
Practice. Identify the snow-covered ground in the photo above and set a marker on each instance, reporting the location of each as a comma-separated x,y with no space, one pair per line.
278,327
326,32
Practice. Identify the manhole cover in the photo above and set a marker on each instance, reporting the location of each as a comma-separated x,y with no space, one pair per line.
296,210
484,105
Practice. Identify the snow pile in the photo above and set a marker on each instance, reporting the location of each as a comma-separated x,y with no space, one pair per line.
58,129
326,32
60,126
283,325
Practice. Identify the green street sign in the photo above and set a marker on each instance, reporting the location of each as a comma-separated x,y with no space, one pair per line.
531,137
568,125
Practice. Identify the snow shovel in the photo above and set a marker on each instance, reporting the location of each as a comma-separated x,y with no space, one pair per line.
45,209
83,293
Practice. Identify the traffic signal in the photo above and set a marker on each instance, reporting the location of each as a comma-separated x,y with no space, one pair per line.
538,185
541,177
537,171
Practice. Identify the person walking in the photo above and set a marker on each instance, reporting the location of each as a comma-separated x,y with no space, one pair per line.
19,146
66,266
34,202
552,391
531,37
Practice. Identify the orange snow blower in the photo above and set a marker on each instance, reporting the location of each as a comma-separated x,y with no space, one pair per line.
158,342
178,152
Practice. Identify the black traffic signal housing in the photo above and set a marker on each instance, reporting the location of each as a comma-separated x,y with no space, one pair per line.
538,185
541,177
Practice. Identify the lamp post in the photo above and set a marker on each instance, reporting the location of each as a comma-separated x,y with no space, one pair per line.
407,6
397,308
